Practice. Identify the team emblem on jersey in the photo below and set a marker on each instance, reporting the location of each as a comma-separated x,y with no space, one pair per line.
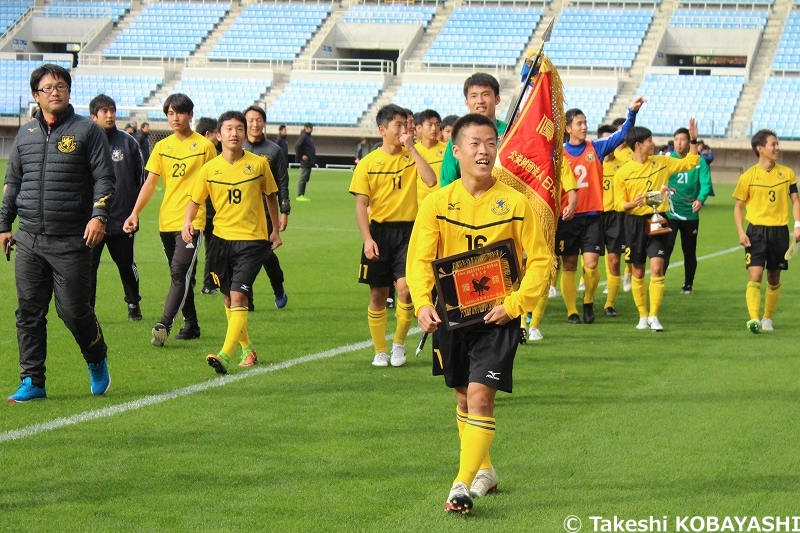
218,172
440,153
590,157
116,155
67,144
406,158
193,147
501,206
248,170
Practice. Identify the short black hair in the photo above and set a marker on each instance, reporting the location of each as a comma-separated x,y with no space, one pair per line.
449,120
760,139
387,113
179,102
410,113
144,124
101,101
206,124
256,109
606,128
428,114
637,134
571,114
682,131
481,79
472,119
55,71
231,115
282,127
308,125
618,122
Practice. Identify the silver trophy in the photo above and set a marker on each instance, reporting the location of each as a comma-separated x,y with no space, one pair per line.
658,224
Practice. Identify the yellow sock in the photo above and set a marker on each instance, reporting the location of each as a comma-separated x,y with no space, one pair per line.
475,442
228,314
753,297
377,328
656,294
461,421
614,283
591,278
538,313
405,315
244,338
639,295
236,324
605,262
628,269
569,291
773,293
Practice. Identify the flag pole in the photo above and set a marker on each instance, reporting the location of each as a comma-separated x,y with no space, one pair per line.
533,61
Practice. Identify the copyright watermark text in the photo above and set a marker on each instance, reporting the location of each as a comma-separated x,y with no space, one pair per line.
689,524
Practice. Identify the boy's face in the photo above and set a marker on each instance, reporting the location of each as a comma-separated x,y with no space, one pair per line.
476,150
446,133
106,118
482,100
430,129
255,124
648,147
231,134
179,121
578,128
681,143
770,150
393,130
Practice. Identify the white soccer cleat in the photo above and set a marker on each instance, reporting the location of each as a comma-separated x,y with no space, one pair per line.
605,291
626,283
535,335
381,359
654,324
459,500
643,323
398,354
582,285
484,483
766,324
552,293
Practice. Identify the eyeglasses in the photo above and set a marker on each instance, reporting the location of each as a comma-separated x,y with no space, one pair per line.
48,89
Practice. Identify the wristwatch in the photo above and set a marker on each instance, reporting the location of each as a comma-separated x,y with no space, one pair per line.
102,218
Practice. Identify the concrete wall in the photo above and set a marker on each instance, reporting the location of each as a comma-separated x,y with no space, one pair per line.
375,36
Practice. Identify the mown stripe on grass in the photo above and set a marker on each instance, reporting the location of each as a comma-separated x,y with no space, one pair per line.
16,434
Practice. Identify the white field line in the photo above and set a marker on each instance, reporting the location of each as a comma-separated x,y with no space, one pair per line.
16,434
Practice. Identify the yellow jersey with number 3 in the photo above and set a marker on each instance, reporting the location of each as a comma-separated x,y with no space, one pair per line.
179,162
434,156
609,169
766,194
634,178
390,183
235,191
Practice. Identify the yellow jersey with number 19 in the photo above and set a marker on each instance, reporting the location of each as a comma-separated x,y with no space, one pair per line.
235,191
390,183
766,194
434,156
179,162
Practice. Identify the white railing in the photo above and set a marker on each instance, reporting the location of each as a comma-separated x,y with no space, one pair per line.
345,65
15,27
501,3
129,61
284,1
274,64
455,67
75,11
394,17
591,69
435,3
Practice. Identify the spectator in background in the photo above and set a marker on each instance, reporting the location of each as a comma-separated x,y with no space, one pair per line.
306,155
143,138
447,127
411,123
705,152
282,143
207,127
362,149
129,129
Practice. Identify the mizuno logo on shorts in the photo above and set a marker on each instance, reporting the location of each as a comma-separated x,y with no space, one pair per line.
493,375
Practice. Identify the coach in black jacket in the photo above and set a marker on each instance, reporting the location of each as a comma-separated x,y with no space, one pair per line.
306,155
59,183
128,169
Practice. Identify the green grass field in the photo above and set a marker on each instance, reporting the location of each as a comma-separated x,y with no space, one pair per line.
605,420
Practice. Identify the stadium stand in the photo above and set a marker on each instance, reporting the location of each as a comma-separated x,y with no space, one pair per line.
787,56
390,14
11,10
86,9
16,83
214,96
777,107
595,37
167,30
673,98
271,32
593,101
725,19
507,29
446,99
332,103
125,90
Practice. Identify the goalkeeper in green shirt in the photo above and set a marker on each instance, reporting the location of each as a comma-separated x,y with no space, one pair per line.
689,192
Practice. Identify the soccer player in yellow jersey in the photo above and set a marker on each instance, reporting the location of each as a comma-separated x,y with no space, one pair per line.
476,360
647,172
763,190
432,149
385,180
235,181
178,159
613,222
623,153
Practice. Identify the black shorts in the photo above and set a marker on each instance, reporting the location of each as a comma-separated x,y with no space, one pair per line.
579,235
479,353
234,265
392,240
768,244
614,231
640,245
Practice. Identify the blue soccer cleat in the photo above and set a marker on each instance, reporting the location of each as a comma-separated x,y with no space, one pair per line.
281,302
98,377
27,391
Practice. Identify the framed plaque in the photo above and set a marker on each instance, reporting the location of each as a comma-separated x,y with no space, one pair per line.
469,284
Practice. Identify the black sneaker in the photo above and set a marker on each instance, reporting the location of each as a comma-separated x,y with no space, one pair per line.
588,313
610,311
573,319
687,289
188,332
134,312
523,336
